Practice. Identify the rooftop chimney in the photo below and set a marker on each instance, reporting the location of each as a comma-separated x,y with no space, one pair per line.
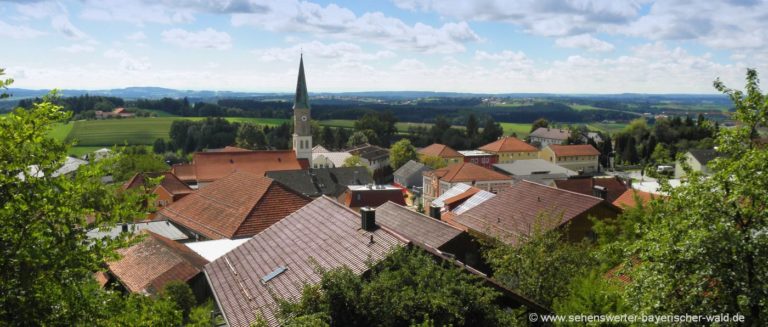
434,211
368,219
600,192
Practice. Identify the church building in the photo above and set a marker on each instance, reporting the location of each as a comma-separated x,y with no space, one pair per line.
302,135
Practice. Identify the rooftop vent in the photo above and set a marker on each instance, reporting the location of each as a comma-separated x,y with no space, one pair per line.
273,274
434,211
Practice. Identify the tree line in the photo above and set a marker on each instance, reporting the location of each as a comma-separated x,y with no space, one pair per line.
664,140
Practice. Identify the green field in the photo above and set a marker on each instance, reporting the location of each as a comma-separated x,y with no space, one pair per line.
521,129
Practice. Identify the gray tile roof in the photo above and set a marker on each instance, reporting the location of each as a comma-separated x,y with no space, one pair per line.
322,234
551,133
531,167
322,181
409,168
415,226
370,152
703,156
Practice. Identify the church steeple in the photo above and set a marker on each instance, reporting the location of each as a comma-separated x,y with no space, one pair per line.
302,133
301,100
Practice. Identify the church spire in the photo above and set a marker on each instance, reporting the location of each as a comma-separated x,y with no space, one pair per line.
301,100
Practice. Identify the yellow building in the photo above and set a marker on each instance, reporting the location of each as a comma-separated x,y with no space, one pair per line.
510,149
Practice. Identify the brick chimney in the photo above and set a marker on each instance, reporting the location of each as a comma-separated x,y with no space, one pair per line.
368,219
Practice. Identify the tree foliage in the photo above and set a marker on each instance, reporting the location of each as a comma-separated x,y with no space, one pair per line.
401,152
434,162
46,257
542,264
703,249
403,289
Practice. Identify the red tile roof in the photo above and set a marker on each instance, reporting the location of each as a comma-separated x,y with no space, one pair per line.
628,198
185,172
170,182
509,144
574,150
467,172
514,212
322,234
613,185
210,166
239,205
440,150
147,266
373,198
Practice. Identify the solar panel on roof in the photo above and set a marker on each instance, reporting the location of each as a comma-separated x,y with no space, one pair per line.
273,274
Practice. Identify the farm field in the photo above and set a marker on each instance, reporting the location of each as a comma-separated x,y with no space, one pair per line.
521,129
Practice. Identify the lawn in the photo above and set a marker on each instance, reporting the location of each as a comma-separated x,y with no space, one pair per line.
521,129
60,131
134,131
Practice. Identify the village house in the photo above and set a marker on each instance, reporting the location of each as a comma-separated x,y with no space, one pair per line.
510,149
442,151
480,158
277,264
323,158
239,205
371,196
518,210
457,200
207,167
322,181
633,198
545,136
410,174
579,158
116,113
438,181
698,160
373,157
169,190
535,170
146,267
606,188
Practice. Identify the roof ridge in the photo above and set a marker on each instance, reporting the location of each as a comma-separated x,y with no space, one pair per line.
561,189
422,215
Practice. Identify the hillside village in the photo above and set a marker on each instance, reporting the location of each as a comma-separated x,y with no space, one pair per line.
246,227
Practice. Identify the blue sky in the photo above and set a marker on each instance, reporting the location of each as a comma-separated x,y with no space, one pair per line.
495,46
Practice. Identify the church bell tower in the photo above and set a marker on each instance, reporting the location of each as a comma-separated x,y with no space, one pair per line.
302,135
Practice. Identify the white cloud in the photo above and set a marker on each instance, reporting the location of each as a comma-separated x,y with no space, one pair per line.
77,48
203,39
58,15
342,23
18,32
341,51
584,41
138,36
547,18
128,62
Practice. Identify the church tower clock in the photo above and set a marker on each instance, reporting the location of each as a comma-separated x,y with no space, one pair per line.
302,135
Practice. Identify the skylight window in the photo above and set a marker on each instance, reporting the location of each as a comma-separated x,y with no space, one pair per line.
273,274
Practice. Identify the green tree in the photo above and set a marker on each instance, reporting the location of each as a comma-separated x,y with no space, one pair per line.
660,154
353,161
401,290
434,162
251,136
327,138
541,122
491,132
381,124
180,294
401,152
129,163
159,146
472,126
591,294
542,264
357,138
46,257
4,84
704,247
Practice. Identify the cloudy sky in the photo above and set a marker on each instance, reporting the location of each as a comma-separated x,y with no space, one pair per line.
576,46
